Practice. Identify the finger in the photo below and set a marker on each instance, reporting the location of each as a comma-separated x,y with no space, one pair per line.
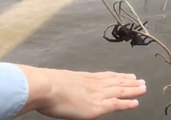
124,92
112,105
110,82
108,74
127,76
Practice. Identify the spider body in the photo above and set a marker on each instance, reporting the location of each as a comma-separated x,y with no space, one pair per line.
126,33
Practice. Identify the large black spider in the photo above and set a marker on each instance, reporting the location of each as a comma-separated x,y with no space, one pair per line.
123,33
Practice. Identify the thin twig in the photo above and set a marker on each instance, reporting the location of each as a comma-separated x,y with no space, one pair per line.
165,4
146,33
133,11
129,16
165,88
114,8
117,19
166,109
120,9
168,60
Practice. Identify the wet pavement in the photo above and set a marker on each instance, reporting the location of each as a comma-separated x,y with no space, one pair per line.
72,39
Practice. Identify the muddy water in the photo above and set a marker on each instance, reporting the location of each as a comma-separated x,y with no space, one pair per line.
72,39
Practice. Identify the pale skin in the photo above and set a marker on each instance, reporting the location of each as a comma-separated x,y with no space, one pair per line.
80,95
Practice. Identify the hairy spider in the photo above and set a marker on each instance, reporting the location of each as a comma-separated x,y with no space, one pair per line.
136,35
123,33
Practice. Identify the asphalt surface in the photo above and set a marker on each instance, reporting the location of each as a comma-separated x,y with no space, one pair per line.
72,39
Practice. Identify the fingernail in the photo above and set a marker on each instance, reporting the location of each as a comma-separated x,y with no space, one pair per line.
143,87
133,76
136,102
141,82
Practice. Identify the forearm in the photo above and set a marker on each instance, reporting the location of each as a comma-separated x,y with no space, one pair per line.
39,88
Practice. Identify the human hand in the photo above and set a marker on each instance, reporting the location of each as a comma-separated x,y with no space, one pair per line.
84,95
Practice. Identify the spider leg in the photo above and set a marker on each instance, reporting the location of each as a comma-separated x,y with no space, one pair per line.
132,26
146,43
112,40
115,30
139,26
150,42
117,39
126,25
104,34
108,28
138,40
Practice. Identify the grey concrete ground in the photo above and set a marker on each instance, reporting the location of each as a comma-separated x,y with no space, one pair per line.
72,39
6,4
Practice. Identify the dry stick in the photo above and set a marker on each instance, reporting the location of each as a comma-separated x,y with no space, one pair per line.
160,44
165,4
116,17
166,109
119,14
150,36
114,8
132,9
119,21
165,88
164,8
120,6
129,16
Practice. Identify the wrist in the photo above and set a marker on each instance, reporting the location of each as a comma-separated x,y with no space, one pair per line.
40,90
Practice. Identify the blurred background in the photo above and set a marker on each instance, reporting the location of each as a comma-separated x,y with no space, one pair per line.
67,34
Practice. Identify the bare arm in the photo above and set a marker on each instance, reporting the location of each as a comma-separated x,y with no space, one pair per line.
80,95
